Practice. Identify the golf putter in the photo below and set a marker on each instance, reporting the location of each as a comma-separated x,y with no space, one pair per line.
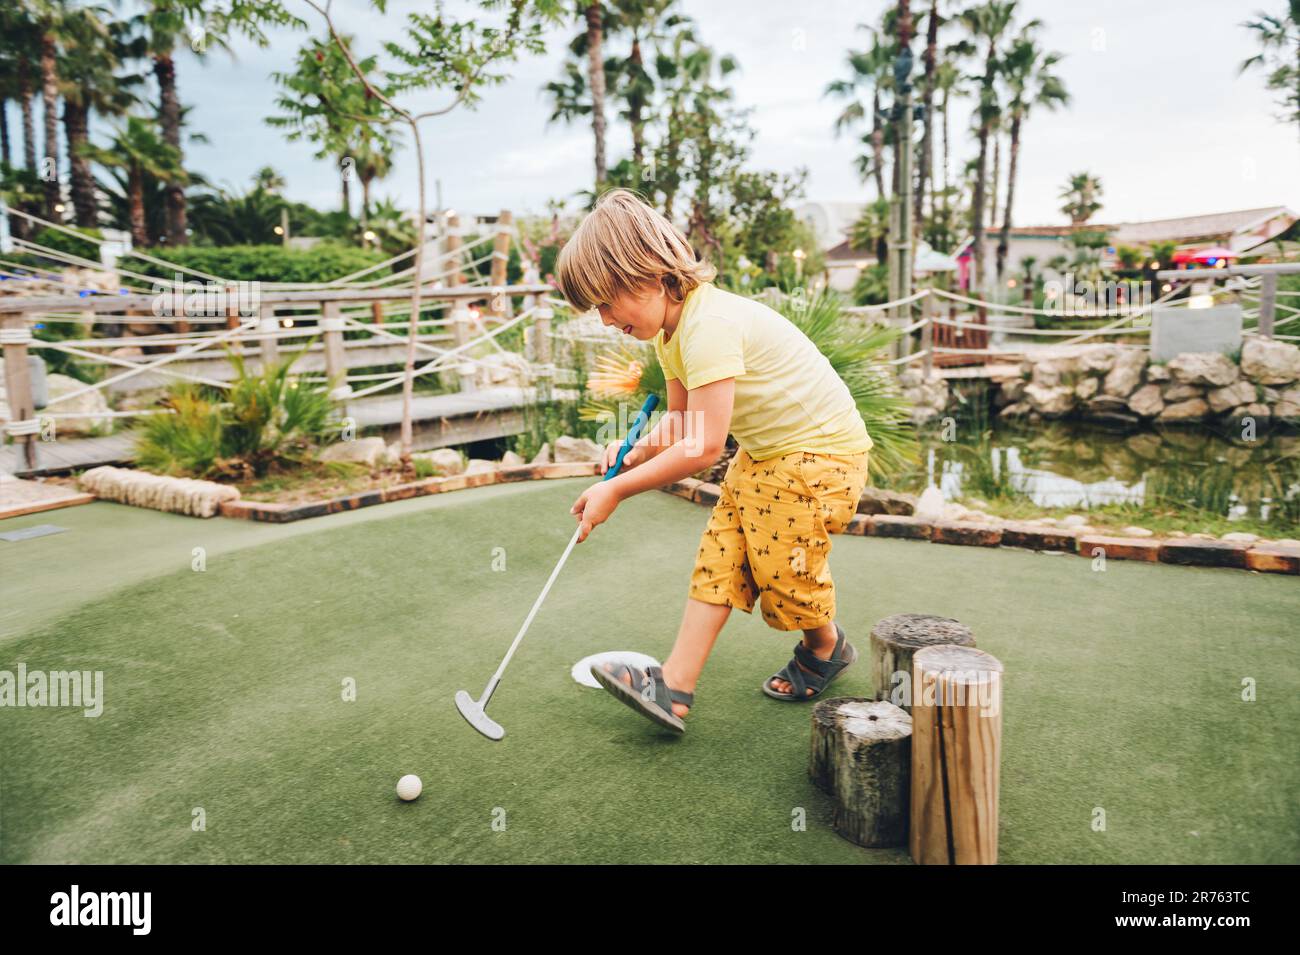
475,711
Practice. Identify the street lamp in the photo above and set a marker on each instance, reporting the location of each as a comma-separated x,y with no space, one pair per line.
798,255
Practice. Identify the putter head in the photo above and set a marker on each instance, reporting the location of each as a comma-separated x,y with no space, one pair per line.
477,717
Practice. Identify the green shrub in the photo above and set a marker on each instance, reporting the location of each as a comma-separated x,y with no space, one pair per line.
274,263
267,420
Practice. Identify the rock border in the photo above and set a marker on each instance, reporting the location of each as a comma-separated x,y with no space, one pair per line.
273,513
1262,558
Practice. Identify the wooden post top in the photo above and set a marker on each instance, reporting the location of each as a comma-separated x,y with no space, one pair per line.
914,630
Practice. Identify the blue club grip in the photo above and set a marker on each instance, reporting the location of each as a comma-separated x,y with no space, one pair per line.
638,423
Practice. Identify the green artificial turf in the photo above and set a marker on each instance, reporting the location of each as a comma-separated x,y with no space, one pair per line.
224,692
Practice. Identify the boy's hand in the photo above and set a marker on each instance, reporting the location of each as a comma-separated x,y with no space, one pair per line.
594,507
634,456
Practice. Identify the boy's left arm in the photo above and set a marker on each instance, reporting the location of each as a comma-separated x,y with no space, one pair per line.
707,421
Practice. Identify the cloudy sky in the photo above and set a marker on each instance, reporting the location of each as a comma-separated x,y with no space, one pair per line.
1160,111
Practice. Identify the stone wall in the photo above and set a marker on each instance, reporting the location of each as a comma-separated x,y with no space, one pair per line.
1119,384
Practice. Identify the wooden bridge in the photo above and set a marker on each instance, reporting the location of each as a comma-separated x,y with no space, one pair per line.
341,336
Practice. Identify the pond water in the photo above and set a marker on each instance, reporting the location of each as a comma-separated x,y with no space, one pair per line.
1075,465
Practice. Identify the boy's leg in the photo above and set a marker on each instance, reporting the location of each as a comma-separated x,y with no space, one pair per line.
814,496
720,581
701,624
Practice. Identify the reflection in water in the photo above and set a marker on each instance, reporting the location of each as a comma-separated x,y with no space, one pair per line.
1073,465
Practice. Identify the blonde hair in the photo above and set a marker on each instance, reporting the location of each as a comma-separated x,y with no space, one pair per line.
623,246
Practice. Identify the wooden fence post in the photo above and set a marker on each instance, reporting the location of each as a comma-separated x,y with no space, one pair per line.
499,305
233,317
336,366
542,351
377,312
268,327
453,251
15,334
927,337
1267,303
460,323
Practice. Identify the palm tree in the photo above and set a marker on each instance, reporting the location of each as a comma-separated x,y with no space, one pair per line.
1027,73
987,24
167,24
575,96
1279,40
872,227
870,70
20,40
645,21
90,82
1029,279
1082,195
49,17
170,24
138,149
267,179
929,69
594,16
374,156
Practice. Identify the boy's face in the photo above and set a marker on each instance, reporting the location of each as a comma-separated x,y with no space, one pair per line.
639,314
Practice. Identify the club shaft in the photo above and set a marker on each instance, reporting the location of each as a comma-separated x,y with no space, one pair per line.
496,677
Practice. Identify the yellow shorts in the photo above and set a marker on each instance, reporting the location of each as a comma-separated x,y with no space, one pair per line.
769,535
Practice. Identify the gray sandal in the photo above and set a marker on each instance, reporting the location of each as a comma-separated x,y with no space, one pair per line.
648,693
823,671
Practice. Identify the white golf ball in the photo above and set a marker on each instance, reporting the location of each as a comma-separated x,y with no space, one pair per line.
408,787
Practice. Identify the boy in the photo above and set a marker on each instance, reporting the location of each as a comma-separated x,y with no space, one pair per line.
732,365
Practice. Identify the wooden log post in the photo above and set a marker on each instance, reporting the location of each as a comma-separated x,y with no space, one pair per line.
15,334
336,365
861,756
894,642
377,312
499,304
956,752
1267,303
268,328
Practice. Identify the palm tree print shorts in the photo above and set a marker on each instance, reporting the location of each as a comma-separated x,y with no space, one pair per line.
769,535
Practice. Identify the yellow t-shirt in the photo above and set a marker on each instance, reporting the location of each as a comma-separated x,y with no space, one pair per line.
788,397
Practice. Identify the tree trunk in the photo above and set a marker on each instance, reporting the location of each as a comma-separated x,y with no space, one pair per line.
877,145
596,80
5,156
135,190
981,173
50,99
997,177
634,110
345,188
169,117
76,117
1004,240
925,165
29,121
365,202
